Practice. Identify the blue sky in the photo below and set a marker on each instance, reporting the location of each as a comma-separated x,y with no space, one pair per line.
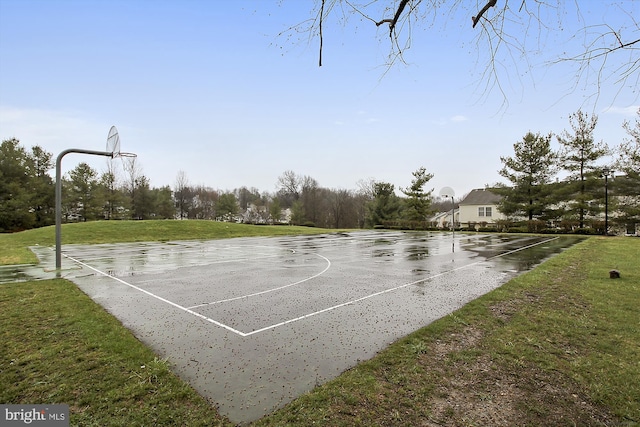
213,88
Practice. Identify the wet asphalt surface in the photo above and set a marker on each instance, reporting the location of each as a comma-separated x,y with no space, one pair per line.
252,323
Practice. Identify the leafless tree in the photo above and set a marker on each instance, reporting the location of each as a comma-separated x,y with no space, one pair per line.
311,200
364,195
110,180
629,150
201,200
133,172
182,194
508,34
289,187
340,202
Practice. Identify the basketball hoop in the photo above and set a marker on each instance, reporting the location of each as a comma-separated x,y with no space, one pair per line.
125,155
113,150
113,145
113,142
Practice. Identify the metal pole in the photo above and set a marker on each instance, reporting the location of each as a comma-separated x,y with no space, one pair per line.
453,225
606,205
605,172
59,198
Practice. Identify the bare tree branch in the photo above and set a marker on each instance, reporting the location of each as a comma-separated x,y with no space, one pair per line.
320,25
513,35
393,23
490,3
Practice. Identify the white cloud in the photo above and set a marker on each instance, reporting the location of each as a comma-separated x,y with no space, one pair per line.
445,121
459,118
53,130
629,111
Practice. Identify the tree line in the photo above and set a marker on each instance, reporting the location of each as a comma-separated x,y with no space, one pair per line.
27,197
534,191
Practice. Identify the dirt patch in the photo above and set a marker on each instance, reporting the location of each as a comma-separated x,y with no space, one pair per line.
504,310
468,338
479,391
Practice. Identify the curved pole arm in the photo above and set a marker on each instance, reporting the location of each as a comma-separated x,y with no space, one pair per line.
59,197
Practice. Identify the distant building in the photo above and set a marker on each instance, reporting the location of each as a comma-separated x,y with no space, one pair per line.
443,219
480,209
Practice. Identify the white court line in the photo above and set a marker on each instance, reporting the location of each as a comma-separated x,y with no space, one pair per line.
269,290
246,334
222,325
391,289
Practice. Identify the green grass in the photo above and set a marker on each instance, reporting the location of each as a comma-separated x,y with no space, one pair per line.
557,346
14,248
58,346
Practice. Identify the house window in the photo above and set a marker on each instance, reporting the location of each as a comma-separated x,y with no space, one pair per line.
484,211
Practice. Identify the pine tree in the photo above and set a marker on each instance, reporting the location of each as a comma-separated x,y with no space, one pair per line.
529,171
627,186
578,156
418,202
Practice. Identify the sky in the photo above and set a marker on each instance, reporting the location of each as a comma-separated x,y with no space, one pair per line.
230,92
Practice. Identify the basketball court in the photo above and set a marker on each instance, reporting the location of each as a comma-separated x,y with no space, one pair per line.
253,323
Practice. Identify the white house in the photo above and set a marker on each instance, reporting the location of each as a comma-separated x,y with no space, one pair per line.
443,219
480,208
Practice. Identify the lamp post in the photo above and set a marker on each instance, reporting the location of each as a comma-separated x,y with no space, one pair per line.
447,192
605,173
453,225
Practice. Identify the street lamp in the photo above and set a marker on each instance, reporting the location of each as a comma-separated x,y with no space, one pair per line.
605,173
448,192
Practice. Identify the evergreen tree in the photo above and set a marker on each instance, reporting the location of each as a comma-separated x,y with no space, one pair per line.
115,199
275,211
164,206
627,186
227,206
42,186
578,156
143,201
26,190
529,171
297,212
385,205
15,198
418,200
83,192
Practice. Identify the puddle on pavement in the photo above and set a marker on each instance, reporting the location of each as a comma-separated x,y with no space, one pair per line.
23,273
248,377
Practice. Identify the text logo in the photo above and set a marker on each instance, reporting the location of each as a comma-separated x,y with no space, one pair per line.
35,415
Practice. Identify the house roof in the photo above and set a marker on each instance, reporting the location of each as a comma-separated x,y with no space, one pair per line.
439,215
481,196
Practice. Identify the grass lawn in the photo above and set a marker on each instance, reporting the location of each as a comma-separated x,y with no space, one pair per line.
14,248
557,346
